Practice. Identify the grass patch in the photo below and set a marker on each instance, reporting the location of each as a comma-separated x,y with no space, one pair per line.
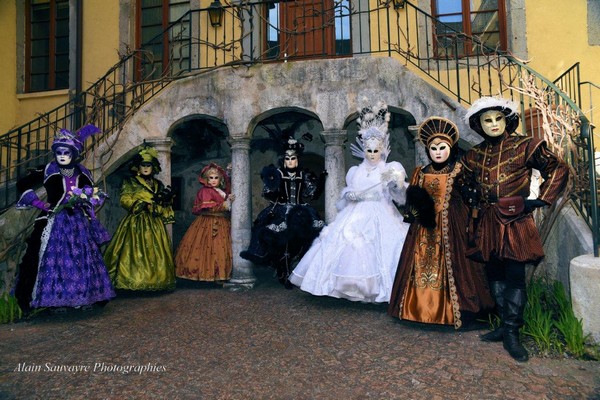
9,309
551,324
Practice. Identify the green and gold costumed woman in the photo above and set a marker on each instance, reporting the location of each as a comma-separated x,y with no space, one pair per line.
139,257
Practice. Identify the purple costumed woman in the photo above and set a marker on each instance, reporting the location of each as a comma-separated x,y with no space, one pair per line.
63,264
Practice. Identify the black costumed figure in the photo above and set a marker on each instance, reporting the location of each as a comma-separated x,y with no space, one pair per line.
506,237
435,282
63,265
139,257
285,229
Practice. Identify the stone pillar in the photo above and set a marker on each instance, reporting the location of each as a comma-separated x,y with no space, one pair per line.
163,146
195,35
335,166
242,276
584,278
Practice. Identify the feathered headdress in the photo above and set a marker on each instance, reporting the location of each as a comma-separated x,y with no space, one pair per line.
146,154
373,133
292,146
74,140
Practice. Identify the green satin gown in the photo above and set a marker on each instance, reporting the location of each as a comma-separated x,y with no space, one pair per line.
139,257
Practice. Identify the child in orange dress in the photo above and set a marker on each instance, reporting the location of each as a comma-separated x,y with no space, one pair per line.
204,253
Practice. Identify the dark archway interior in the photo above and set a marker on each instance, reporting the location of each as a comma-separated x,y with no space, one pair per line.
198,139
267,144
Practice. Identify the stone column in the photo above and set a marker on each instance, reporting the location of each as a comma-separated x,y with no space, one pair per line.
336,168
584,278
242,276
163,146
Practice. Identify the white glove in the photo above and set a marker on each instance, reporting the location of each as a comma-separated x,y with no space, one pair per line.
351,196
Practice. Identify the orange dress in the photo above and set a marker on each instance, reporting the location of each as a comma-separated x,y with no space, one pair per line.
204,253
435,282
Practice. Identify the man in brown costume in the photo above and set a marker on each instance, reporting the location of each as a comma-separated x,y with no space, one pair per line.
506,237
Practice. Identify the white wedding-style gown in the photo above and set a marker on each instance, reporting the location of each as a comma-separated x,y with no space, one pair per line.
356,256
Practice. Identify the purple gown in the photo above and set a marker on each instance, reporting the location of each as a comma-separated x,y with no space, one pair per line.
70,270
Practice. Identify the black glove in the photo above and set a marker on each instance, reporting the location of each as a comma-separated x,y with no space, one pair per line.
165,196
410,214
531,205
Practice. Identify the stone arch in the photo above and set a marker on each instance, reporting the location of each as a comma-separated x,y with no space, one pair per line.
266,128
243,97
402,143
197,139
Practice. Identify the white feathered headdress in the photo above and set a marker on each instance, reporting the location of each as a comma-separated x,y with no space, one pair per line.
373,133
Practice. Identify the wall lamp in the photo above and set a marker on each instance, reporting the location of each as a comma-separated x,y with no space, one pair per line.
399,4
215,13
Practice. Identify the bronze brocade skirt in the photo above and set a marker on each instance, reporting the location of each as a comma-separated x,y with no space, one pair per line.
517,240
435,281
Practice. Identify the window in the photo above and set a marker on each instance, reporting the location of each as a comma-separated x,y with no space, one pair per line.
161,51
483,19
308,28
47,45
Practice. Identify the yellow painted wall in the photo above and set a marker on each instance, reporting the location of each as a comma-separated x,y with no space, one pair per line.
557,38
30,105
100,39
8,83
100,45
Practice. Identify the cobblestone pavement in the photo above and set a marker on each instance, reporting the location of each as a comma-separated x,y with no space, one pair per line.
204,342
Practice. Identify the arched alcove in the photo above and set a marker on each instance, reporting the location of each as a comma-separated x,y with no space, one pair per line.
269,131
401,139
197,141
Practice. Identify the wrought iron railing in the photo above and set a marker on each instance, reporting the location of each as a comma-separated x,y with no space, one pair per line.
570,83
282,31
107,103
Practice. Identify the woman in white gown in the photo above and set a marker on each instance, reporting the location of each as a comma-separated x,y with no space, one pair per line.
356,256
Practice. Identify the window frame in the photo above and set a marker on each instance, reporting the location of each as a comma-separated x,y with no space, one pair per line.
165,6
52,51
466,13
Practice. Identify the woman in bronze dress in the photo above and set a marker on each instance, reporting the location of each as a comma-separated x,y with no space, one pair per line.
435,282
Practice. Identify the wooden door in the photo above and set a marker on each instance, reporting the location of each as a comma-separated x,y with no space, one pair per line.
307,29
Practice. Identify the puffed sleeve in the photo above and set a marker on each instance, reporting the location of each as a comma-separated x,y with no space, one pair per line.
554,171
206,200
28,200
342,202
396,182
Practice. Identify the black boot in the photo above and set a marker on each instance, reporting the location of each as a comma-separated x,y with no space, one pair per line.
514,305
283,275
497,289
252,257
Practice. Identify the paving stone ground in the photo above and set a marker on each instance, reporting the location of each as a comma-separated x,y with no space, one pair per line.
204,342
